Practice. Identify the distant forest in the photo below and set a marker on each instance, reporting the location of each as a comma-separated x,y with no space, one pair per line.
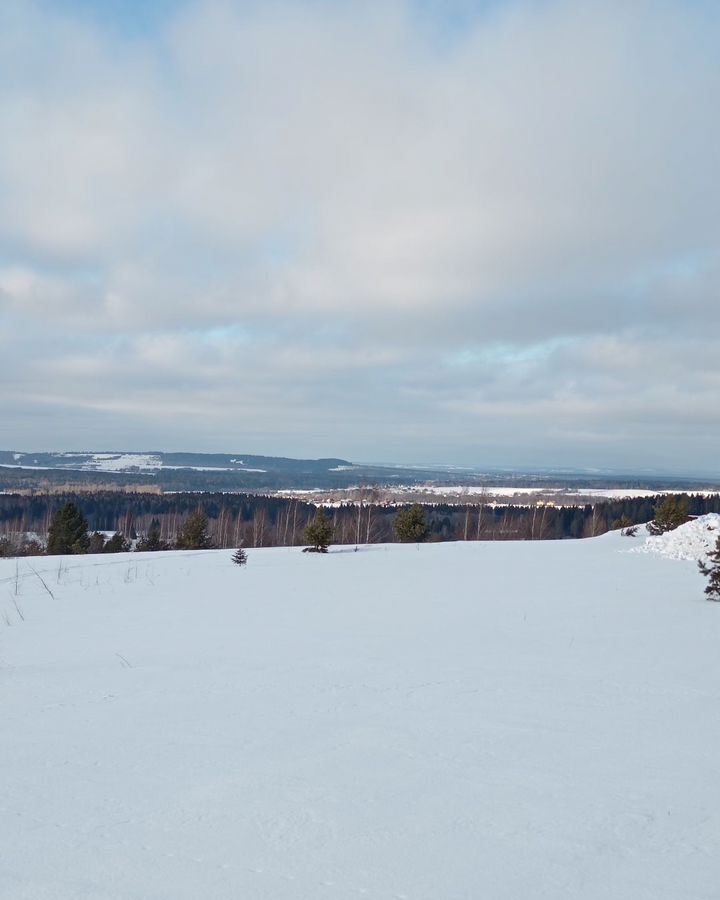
258,521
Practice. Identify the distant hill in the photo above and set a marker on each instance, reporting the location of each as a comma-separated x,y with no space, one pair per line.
249,472
202,471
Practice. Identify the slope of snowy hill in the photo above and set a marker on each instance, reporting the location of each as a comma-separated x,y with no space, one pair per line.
449,722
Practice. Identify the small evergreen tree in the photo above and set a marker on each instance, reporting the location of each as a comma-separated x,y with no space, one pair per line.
97,542
411,526
239,557
117,544
68,531
152,542
712,572
669,514
194,535
319,533
625,524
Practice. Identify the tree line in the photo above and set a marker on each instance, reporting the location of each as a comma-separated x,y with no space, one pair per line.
250,520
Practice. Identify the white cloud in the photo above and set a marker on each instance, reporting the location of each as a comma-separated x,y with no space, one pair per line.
366,200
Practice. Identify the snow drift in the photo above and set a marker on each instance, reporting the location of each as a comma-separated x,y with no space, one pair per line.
693,540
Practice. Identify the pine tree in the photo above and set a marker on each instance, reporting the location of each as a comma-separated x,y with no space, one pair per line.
319,533
411,525
193,535
239,557
152,541
117,544
712,572
68,531
669,514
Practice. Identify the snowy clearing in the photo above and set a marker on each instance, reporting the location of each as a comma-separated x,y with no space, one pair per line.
454,722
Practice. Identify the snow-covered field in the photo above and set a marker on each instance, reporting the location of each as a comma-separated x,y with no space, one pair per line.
493,495
555,492
455,722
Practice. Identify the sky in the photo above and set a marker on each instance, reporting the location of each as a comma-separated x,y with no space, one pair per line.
472,233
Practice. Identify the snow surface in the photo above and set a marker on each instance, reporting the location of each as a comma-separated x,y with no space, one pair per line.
693,540
448,722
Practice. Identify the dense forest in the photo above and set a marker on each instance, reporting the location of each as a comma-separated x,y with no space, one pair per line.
259,521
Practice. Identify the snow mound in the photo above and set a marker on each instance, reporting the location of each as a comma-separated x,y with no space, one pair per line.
693,540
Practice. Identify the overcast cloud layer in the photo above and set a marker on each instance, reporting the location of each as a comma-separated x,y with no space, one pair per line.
379,231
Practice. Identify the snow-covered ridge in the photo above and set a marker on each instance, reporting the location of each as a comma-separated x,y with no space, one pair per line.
692,541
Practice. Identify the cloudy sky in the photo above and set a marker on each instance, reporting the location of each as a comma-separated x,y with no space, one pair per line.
478,232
